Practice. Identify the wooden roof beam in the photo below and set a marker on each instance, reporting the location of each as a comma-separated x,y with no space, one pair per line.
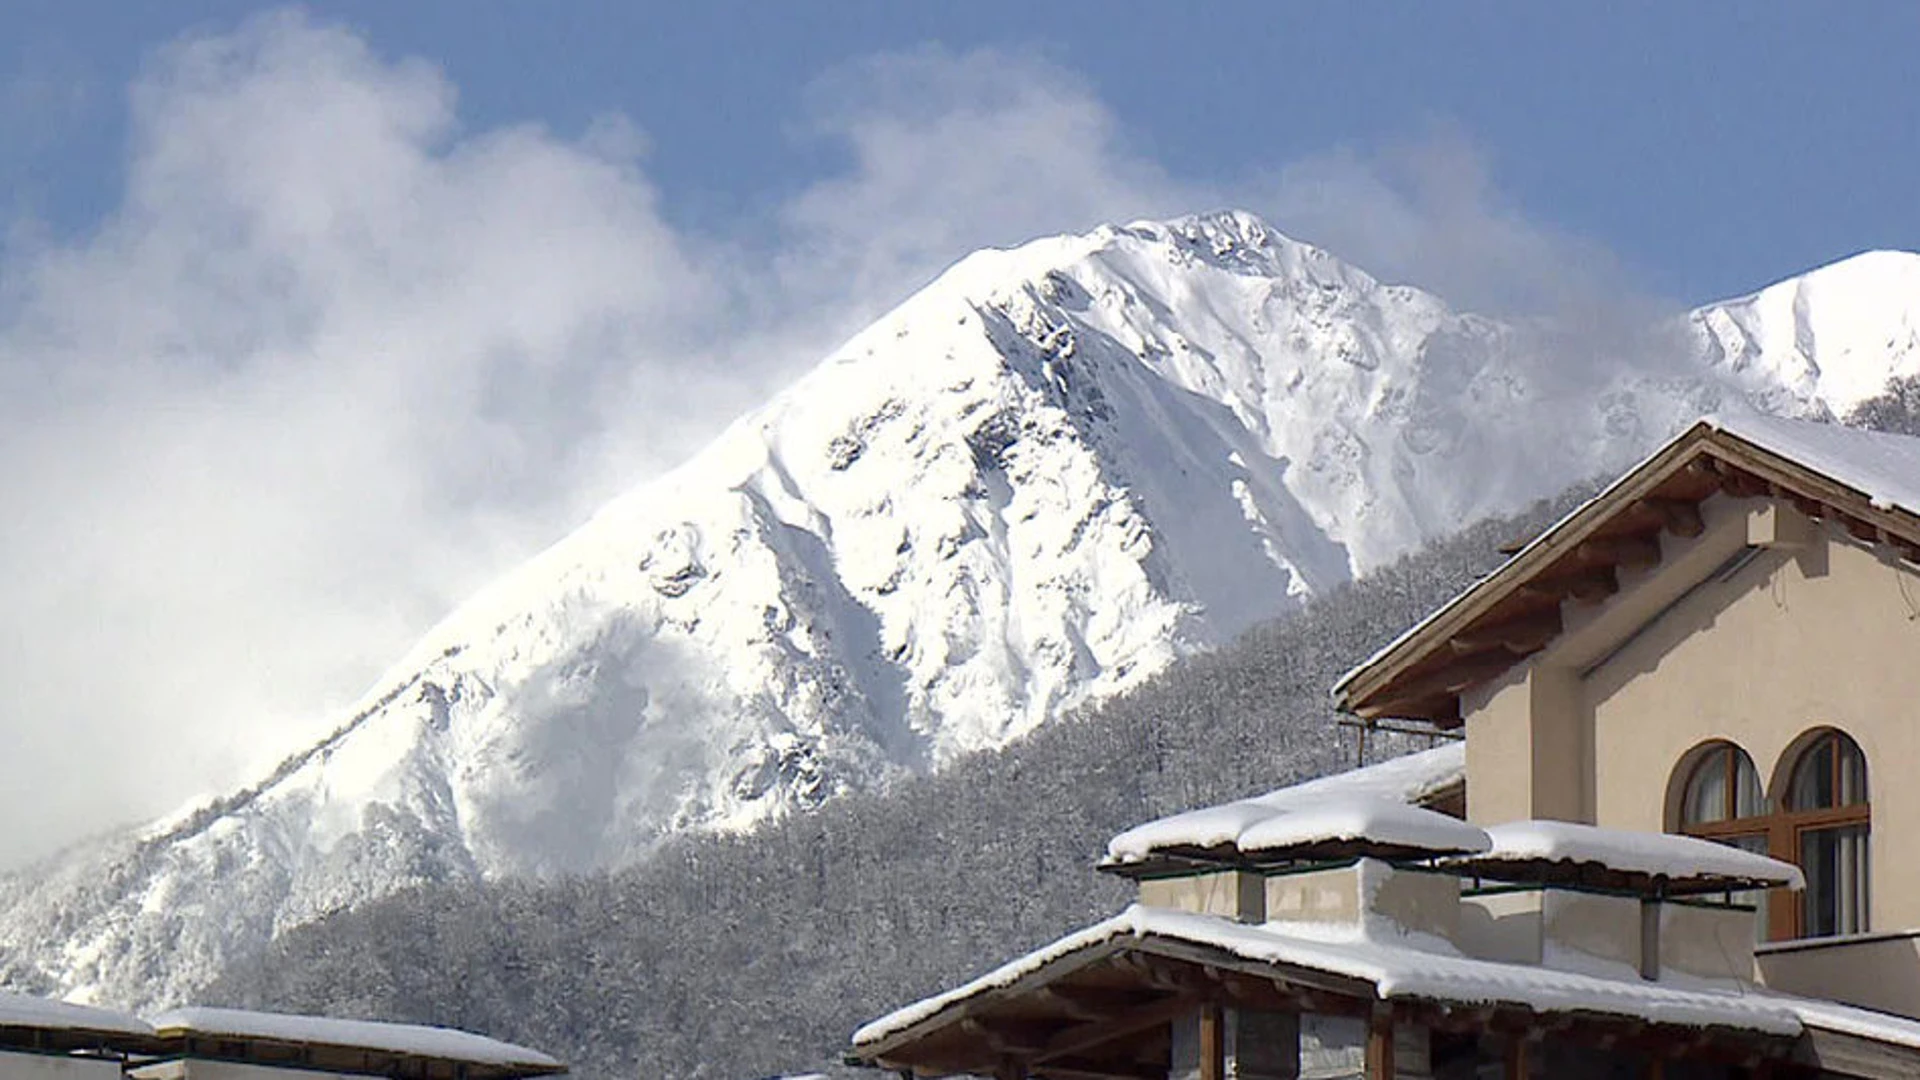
1741,484
1002,1037
1636,552
1520,633
1589,584
1077,1040
1415,696
1100,1070
1092,1003
1681,517
1463,673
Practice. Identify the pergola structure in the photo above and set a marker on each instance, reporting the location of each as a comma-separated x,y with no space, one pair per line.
1114,1011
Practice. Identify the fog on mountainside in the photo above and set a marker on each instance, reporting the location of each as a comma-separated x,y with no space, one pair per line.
745,956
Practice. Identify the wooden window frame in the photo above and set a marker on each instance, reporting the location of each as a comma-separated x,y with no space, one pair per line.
1783,829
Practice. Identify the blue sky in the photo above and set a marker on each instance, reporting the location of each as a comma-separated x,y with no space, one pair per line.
313,321
1710,147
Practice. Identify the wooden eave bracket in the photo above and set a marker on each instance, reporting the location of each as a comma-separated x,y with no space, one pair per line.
1582,563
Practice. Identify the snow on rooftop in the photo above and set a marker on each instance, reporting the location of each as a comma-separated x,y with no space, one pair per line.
421,1041
1389,824
1883,467
1398,966
1853,1020
24,1010
1363,804
1653,854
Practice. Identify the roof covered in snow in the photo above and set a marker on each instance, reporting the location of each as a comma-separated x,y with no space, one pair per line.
411,1040
45,1014
1559,851
1391,966
1400,966
1883,467
1366,810
1869,481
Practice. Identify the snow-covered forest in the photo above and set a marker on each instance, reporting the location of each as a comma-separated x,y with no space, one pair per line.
754,955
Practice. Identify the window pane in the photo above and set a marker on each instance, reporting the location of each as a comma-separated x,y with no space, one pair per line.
1812,784
1706,797
1748,800
1835,862
1853,772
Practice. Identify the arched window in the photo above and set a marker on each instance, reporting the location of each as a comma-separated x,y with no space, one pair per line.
1825,823
1722,790
1820,821
1722,801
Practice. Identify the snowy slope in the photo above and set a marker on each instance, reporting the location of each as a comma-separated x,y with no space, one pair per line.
1834,335
1038,481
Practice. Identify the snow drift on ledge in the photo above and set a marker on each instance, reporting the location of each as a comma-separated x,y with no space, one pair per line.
1035,483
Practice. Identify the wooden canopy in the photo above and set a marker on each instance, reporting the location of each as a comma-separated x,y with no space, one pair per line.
1106,1013
1516,611
333,1058
77,1041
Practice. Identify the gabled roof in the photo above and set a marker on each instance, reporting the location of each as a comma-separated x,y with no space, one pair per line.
1115,985
956,1031
1867,482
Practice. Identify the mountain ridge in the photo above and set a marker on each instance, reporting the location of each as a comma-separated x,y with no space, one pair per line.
1032,484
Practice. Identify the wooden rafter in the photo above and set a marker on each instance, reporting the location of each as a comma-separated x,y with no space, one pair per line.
1585,582
1076,1040
1518,634
1681,517
1635,551
1579,560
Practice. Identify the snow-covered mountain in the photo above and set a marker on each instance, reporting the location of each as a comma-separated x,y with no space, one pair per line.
1033,484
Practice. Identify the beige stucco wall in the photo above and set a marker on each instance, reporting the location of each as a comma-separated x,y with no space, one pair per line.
1877,972
1321,896
1228,893
1707,942
1425,902
1578,927
1824,635
1502,926
1818,630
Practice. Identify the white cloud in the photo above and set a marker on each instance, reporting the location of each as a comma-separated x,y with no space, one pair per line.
1425,210
328,366
335,360
951,152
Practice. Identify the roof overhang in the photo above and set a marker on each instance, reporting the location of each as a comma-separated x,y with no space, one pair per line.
1518,610
1104,1010
77,1041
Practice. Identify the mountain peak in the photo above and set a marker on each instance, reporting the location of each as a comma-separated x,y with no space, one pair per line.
1033,484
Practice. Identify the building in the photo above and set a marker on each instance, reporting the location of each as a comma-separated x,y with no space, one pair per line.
54,1040
1685,707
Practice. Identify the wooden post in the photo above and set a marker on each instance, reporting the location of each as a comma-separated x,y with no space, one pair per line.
1213,1044
1380,1043
1518,1067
